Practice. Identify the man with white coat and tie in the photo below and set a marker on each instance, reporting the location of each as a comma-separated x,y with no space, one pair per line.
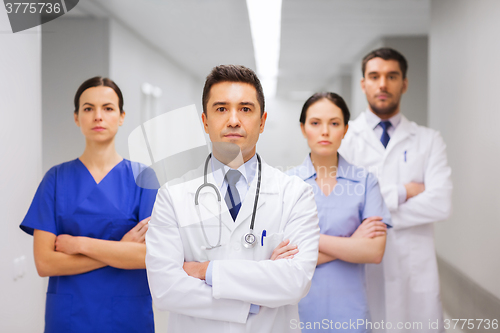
234,270
411,165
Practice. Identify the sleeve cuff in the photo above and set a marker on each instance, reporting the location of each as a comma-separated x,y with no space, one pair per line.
208,274
401,194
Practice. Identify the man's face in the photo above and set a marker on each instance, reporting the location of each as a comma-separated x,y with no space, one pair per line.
233,116
383,86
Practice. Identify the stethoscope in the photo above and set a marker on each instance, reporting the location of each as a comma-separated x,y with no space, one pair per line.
249,239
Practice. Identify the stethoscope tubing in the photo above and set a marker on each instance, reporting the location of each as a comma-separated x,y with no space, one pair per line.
217,192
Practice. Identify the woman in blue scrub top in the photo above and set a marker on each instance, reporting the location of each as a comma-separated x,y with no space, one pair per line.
353,220
89,220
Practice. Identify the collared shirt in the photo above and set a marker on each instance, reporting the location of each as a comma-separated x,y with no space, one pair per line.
247,170
374,122
338,287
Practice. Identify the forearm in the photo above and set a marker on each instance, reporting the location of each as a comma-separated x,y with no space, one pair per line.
52,263
124,255
323,258
57,264
354,250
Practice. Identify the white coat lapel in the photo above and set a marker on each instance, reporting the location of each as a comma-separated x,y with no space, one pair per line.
367,134
266,190
404,130
208,202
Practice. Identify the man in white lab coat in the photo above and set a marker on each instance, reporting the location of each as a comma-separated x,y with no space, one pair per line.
411,165
231,288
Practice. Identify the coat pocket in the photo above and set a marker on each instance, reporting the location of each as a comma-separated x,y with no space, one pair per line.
133,314
58,313
411,167
265,246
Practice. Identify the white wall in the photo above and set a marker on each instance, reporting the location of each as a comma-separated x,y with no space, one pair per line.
73,50
282,144
133,62
22,300
463,105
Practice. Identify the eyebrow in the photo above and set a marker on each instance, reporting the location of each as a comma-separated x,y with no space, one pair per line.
94,105
393,73
247,103
225,103
314,118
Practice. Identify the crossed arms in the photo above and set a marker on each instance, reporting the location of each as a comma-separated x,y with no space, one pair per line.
70,255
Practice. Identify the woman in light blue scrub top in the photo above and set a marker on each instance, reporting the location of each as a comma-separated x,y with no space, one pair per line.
89,220
353,220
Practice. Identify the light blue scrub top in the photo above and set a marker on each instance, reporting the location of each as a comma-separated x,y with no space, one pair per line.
69,201
337,293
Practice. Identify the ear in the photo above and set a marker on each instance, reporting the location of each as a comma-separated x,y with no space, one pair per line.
345,130
302,128
362,83
122,118
77,122
405,85
263,122
205,123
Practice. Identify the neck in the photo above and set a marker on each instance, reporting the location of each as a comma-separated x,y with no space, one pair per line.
385,116
325,166
230,157
100,155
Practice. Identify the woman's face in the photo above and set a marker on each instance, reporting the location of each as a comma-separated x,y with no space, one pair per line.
98,114
324,127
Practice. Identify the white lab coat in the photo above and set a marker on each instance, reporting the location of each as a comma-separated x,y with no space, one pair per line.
286,210
414,154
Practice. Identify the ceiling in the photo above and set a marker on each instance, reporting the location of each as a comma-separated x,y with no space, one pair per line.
320,39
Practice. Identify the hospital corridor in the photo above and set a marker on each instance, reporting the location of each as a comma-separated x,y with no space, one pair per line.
421,128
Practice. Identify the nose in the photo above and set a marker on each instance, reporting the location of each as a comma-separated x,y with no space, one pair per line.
383,83
325,130
98,114
234,120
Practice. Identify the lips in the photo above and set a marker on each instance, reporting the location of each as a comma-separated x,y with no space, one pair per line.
233,135
324,143
383,96
98,128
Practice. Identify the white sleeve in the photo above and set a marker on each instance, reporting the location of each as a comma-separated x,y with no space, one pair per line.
434,204
171,288
280,282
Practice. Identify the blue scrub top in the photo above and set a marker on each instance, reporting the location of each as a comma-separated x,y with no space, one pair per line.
337,293
69,201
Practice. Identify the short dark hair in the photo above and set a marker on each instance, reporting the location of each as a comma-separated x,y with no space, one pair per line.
332,97
98,81
386,53
232,73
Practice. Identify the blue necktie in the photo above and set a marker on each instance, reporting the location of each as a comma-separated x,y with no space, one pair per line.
385,135
232,196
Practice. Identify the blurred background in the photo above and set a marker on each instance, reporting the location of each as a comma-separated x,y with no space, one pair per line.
298,47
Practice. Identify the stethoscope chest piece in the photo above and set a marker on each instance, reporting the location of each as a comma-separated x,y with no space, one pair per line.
249,240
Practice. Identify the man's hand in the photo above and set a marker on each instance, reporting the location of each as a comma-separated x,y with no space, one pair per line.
138,233
284,250
196,269
370,228
414,189
67,244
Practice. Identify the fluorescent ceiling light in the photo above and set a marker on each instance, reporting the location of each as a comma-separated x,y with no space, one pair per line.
265,24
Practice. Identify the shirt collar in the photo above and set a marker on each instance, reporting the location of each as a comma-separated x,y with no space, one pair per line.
373,120
247,169
345,169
